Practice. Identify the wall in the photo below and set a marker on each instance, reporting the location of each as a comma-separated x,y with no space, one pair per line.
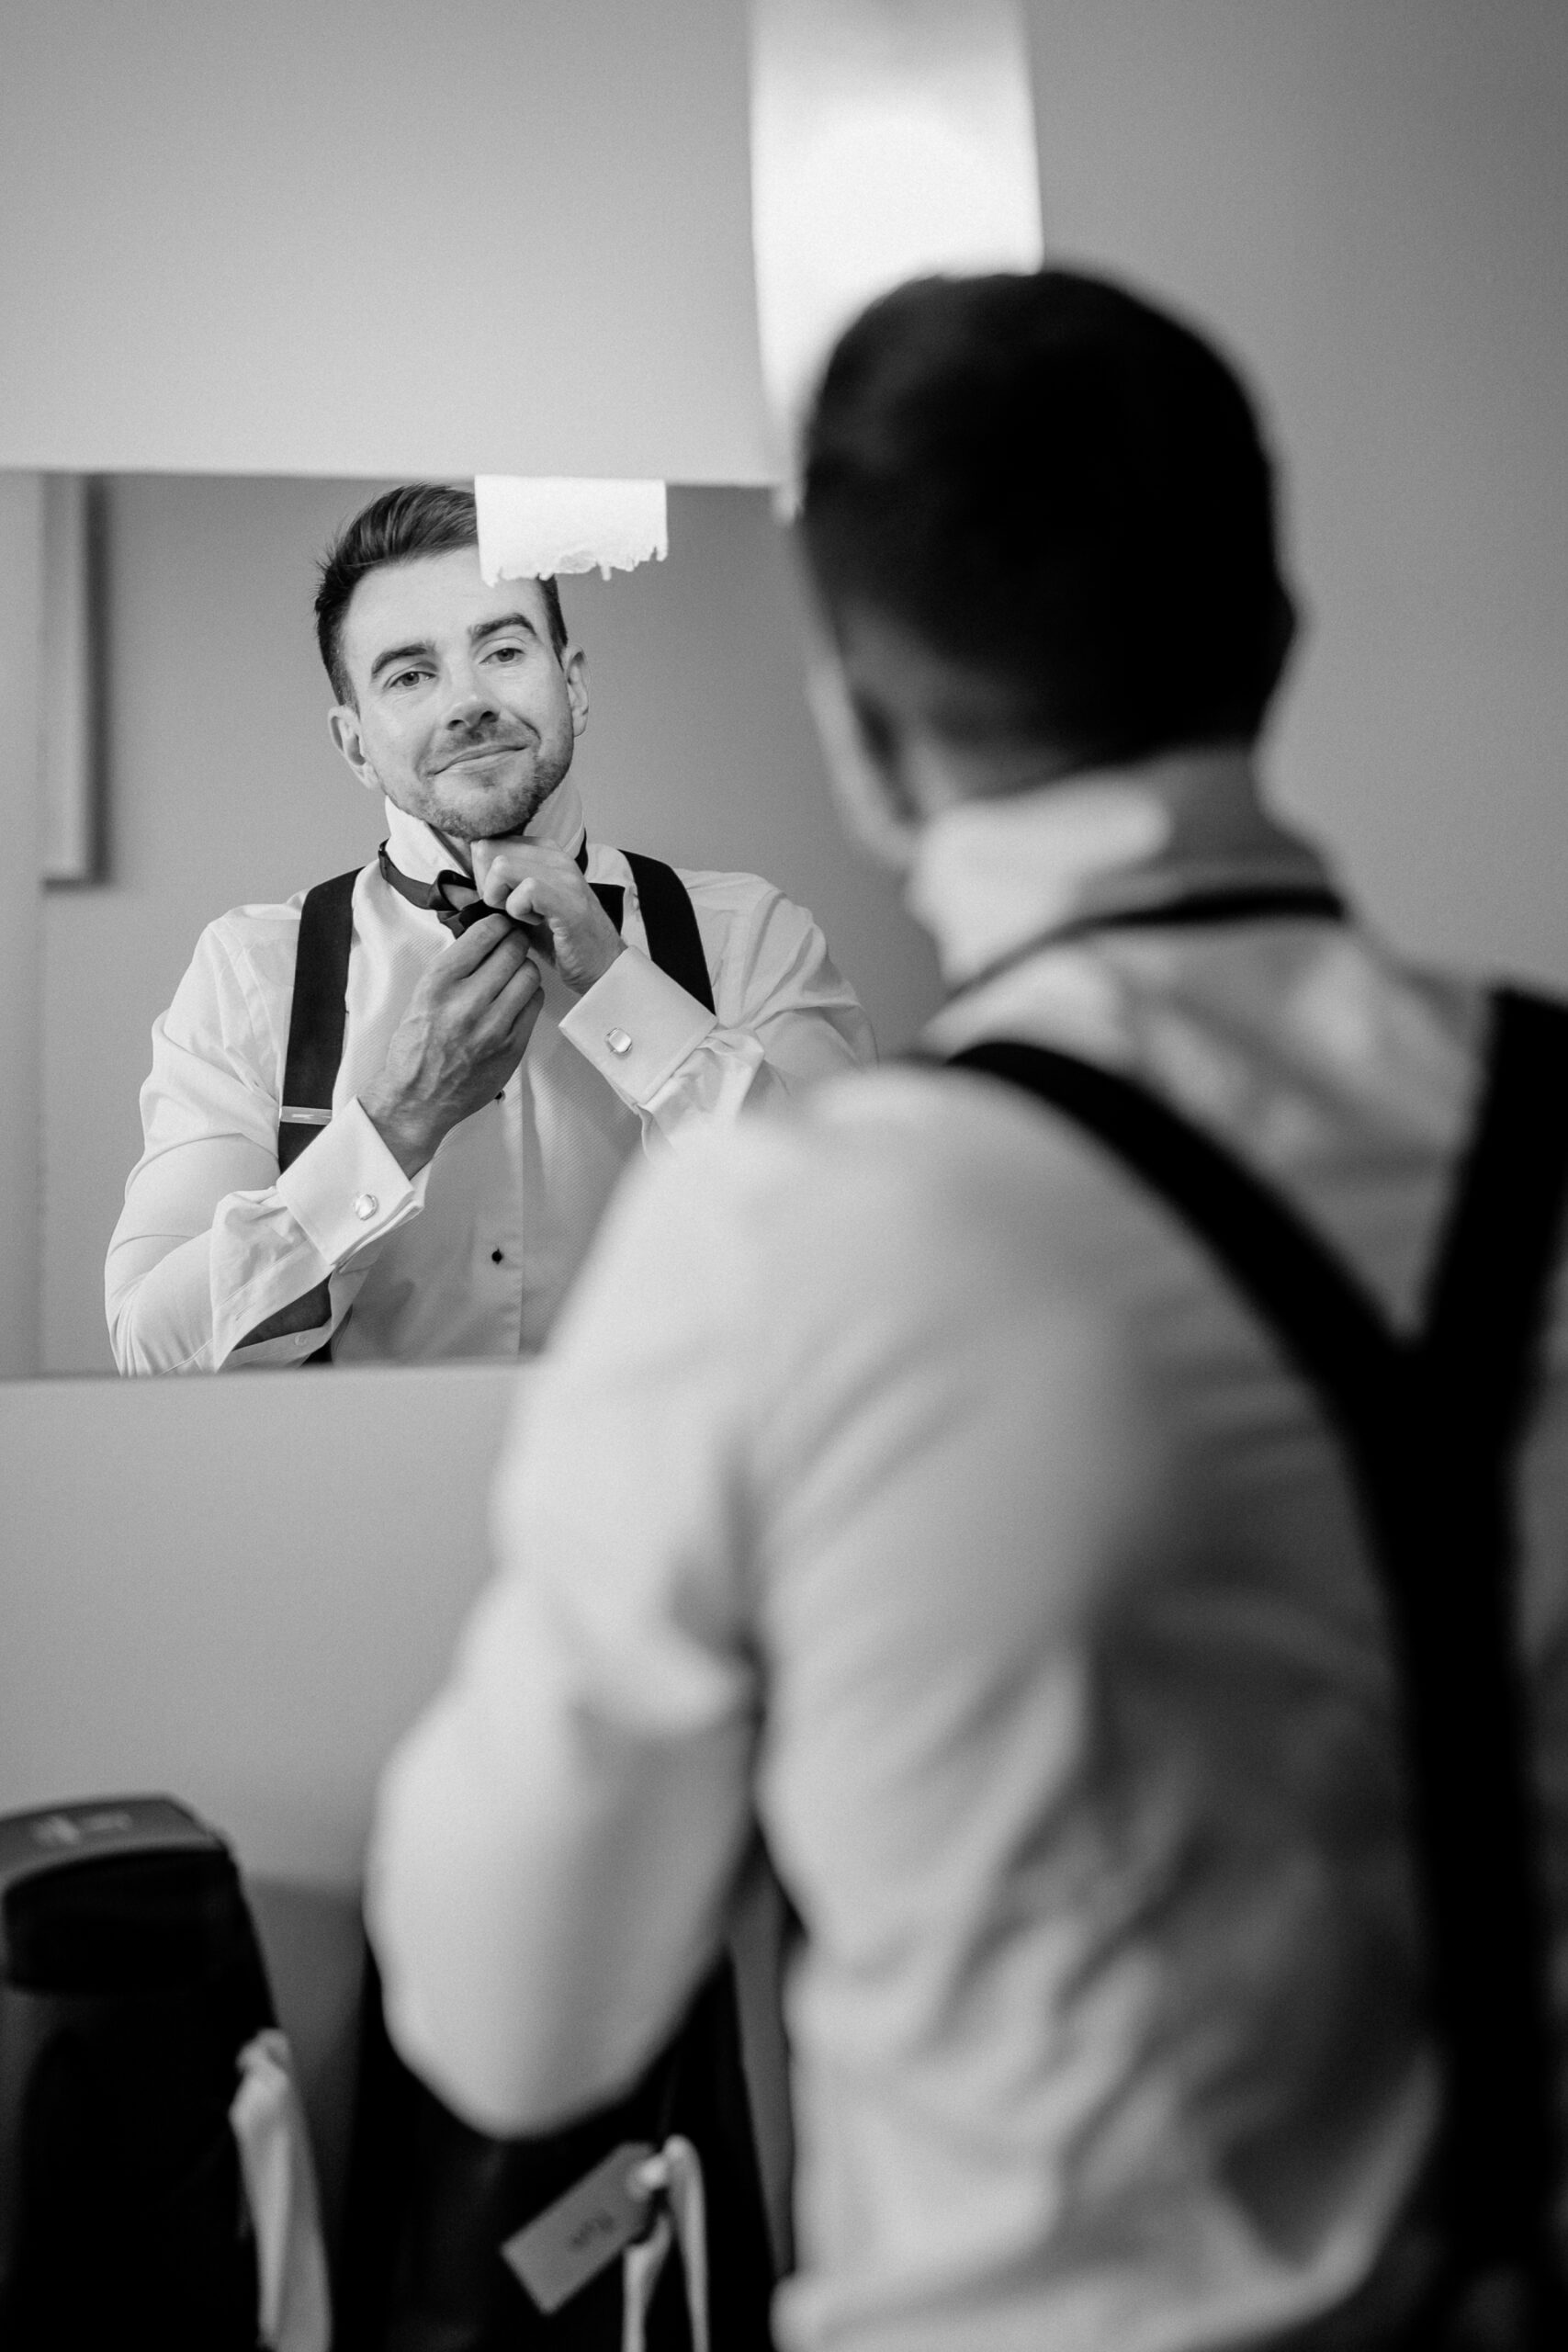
240,1592
501,236
223,787
196,1576
1368,199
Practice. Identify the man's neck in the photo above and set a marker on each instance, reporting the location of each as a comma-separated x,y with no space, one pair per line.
990,874
425,846
459,851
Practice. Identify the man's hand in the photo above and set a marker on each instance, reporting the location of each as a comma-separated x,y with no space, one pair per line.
540,886
464,1033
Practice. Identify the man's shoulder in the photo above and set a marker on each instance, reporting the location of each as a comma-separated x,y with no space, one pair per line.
256,935
886,1212
257,940
897,1156
732,887
721,892
261,923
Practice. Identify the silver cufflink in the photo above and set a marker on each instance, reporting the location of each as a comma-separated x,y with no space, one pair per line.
617,1041
365,1205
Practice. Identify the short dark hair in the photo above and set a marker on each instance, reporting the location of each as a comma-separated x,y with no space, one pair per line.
1063,488
418,518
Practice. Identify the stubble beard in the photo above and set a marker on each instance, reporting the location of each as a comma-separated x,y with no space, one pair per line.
505,813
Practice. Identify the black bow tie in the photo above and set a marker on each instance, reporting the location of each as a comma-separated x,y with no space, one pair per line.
451,898
455,902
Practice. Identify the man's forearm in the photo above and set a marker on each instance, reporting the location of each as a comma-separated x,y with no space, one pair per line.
405,1126
165,1318
252,1288
680,1067
158,1301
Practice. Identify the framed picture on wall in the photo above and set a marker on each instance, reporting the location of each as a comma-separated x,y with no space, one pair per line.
72,762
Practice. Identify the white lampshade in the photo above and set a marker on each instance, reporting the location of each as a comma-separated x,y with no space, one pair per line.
531,529
890,138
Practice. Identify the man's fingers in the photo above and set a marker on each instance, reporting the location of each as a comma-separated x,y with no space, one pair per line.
510,1019
534,902
536,889
520,989
470,949
500,865
500,882
478,986
493,1017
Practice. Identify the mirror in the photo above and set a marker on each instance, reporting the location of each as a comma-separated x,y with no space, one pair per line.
221,788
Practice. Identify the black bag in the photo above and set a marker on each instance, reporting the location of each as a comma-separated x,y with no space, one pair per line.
131,1979
431,2203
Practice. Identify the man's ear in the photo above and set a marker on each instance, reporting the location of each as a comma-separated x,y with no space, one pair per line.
575,670
343,726
863,764
1284,632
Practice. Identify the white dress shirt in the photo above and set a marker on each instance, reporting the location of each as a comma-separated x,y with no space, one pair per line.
472,1255
906,1477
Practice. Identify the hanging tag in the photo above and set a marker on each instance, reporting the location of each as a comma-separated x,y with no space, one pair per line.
571,2241
674,2177
294,2308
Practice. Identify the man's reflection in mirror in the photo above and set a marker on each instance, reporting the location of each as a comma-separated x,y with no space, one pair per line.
385,1117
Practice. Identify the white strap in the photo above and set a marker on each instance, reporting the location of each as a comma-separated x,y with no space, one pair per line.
674,2176
295,2312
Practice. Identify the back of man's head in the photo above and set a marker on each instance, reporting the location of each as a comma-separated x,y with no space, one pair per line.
1056,487
418,518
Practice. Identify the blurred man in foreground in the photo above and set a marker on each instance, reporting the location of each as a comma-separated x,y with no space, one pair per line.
1004,1497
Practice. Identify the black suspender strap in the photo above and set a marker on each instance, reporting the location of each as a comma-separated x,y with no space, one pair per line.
1328,1322
1431,1425
316,1015
1475,1370
309,1070
1202,910
670,920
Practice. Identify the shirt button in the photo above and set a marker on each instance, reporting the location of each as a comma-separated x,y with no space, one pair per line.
496,1256
617,1041
365,1207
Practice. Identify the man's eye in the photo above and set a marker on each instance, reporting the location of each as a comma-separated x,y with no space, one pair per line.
404,678
506,652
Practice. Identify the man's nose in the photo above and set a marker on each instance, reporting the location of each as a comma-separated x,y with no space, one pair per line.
467,704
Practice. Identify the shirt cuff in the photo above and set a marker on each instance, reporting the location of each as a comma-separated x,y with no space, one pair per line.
345,1189
636,1025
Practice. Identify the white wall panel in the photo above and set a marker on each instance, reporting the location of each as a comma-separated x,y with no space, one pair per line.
1368,200
378,237
237,1591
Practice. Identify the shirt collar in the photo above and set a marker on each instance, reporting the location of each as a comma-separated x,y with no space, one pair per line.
992,876
419,850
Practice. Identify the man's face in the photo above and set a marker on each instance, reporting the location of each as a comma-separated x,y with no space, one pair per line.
465,717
